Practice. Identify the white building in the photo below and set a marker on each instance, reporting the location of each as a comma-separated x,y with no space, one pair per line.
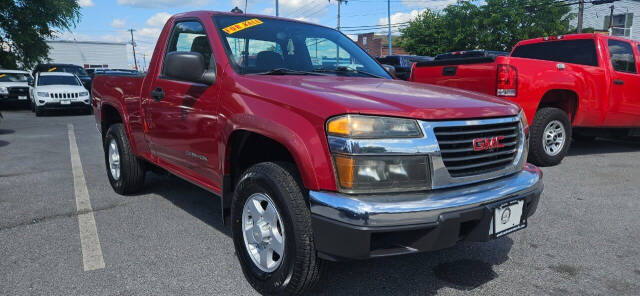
626,18
89,54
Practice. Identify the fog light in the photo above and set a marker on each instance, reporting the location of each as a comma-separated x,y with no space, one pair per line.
41,101
382,173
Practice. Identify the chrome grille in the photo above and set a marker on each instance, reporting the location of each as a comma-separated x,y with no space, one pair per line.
18,91
65,95
459,156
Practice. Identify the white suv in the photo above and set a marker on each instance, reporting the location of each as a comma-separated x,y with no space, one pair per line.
59,91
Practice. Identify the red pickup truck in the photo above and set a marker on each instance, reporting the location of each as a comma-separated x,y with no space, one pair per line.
315,154
580,85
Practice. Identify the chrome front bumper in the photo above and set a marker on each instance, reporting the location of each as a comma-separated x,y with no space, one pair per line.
388,210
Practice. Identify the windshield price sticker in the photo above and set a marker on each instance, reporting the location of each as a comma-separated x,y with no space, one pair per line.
3,75
242,25
52,69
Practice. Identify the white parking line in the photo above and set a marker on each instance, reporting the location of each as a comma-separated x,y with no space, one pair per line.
91,250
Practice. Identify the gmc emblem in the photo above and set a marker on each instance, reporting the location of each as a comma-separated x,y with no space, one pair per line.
482,144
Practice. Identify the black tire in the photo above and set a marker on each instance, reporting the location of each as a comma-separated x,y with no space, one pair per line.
537,153
132,172
39,112
300,268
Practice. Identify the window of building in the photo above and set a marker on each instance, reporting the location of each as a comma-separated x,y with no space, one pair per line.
620,24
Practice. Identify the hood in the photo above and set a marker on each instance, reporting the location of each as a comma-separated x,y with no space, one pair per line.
13,84
60,88
388,97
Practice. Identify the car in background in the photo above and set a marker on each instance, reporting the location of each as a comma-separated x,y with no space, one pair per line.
116,71
59,91
465,54
578,86
403,63
67,68
14,87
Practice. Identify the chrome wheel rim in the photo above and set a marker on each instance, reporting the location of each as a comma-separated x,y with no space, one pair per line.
263,232
114,159
554,138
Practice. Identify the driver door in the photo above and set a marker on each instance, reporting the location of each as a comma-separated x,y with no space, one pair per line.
181,115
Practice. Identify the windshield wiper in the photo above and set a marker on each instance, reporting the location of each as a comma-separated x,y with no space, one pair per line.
343,69
285,71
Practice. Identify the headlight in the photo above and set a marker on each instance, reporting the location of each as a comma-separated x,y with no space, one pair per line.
84,93
380,171
373,127
358,174
4,90
43,94
525,123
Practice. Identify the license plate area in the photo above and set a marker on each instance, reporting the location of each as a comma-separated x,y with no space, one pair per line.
65,102
507,218
22,98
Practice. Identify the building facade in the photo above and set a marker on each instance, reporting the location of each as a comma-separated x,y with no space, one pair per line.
625,22
378,45
89,54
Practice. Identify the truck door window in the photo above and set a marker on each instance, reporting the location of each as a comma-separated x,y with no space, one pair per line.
622,58
190,36
581,51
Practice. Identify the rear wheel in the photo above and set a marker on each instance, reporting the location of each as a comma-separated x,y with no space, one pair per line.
272,232
125,171
550,137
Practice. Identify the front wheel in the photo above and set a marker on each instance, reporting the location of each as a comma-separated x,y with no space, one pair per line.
125,171
272,232
550,137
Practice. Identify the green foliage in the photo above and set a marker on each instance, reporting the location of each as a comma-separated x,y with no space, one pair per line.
490,24
26,24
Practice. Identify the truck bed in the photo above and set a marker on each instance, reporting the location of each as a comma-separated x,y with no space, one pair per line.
475,74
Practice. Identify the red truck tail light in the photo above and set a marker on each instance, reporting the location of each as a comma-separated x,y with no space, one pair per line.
507,81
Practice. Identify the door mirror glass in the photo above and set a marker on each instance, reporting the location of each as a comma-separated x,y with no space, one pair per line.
30,81
188,66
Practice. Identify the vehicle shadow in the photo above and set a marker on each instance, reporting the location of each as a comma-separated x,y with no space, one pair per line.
3,143
6,131
54,113
603,146
463,267
194,200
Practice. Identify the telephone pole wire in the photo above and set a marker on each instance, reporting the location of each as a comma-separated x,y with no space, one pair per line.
133,44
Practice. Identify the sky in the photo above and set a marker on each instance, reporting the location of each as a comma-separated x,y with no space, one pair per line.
109,20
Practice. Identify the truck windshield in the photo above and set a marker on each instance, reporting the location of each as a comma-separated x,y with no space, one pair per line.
57,80
13,77
262,45
77,70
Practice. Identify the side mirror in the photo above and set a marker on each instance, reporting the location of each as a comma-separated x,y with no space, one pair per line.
188,66
390,69
30,82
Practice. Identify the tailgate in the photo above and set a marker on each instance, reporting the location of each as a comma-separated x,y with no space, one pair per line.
474,74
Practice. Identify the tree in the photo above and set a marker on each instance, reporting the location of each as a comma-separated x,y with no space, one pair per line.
26,24
491,24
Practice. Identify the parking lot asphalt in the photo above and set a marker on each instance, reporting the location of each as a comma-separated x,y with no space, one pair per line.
168,240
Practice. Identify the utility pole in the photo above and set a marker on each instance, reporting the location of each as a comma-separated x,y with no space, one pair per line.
389,24
144,62
611,20
580,15
277,12
339,3
133,44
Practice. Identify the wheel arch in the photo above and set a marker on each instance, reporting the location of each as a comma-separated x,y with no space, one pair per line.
565,99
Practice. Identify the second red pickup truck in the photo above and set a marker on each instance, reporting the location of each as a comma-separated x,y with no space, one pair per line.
579,85
315,152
